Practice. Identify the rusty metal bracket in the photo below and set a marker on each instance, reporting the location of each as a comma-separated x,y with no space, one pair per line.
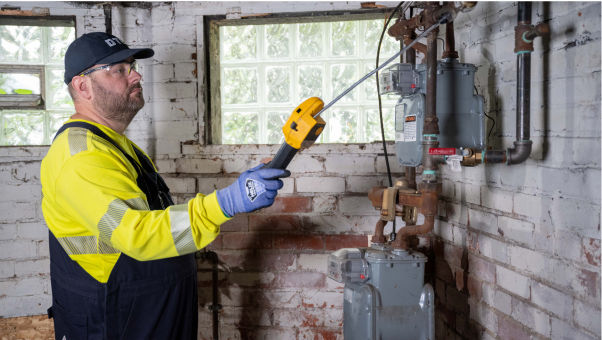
520,44
525,33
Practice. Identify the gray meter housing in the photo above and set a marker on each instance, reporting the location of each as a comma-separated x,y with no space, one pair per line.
459,110
385,296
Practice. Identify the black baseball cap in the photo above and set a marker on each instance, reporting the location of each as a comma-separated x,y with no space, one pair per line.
98,48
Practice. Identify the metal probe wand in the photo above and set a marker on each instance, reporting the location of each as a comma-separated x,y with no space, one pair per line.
303,126
443,19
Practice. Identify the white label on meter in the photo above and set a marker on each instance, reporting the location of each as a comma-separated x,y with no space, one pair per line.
454,162
399,136
409,128
348,294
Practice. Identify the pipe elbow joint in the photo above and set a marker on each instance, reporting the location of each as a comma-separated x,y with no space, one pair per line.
520,152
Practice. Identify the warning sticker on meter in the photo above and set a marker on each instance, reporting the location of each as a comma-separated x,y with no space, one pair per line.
409,129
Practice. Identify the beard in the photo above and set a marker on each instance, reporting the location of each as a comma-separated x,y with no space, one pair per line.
120,107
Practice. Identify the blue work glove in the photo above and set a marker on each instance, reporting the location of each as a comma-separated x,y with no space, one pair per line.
254,189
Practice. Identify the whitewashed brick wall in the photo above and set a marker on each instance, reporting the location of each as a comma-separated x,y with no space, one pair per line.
531,222
531,232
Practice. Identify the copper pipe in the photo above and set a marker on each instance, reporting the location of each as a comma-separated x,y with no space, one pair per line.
425,201
405,198
402,239
430,119
379,229
412,200
428,207
420,47
450,42
410,175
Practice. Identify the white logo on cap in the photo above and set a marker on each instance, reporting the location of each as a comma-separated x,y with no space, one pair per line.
113,41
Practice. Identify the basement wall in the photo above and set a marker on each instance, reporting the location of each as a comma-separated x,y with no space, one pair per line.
516,250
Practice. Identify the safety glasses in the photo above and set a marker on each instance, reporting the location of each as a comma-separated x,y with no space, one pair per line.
115,69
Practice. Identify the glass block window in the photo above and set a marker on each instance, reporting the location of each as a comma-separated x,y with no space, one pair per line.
34,100
268,69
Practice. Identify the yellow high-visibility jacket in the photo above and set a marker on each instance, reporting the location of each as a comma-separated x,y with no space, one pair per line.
95,209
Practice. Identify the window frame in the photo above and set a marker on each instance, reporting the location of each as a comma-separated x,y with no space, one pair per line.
24,101
8,102
211,25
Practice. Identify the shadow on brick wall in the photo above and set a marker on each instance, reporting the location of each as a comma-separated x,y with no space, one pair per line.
448,271
265,291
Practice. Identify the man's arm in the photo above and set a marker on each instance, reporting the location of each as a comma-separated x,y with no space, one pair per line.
99,192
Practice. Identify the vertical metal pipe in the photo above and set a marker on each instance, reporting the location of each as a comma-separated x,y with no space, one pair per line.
108,18
410,171
215,307
429,294
524,12
522,145
430,131
523,80
523,96
450,42
431,81
411,53
215,293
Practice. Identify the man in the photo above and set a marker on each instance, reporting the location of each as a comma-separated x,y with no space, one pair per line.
122,259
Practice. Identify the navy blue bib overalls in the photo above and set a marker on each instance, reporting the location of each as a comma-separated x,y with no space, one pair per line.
141,300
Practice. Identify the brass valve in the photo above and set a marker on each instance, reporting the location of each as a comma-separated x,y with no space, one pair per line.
471,157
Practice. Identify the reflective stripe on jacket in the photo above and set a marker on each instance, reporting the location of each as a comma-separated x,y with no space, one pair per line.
98,291
95,208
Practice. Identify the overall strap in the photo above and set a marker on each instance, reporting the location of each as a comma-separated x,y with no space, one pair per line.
148,180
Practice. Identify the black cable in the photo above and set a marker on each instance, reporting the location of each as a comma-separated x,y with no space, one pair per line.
380,107
486,115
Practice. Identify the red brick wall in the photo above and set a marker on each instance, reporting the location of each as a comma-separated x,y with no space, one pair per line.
275,285
272,274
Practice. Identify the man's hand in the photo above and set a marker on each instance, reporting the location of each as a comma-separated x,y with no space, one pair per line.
254,189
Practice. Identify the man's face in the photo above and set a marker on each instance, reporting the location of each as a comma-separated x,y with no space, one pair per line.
117,92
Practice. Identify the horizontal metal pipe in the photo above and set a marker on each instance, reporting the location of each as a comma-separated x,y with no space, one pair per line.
495,156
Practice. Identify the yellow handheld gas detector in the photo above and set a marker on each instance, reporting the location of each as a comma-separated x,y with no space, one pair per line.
300,131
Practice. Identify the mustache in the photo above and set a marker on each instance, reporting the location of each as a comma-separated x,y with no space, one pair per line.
133,87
